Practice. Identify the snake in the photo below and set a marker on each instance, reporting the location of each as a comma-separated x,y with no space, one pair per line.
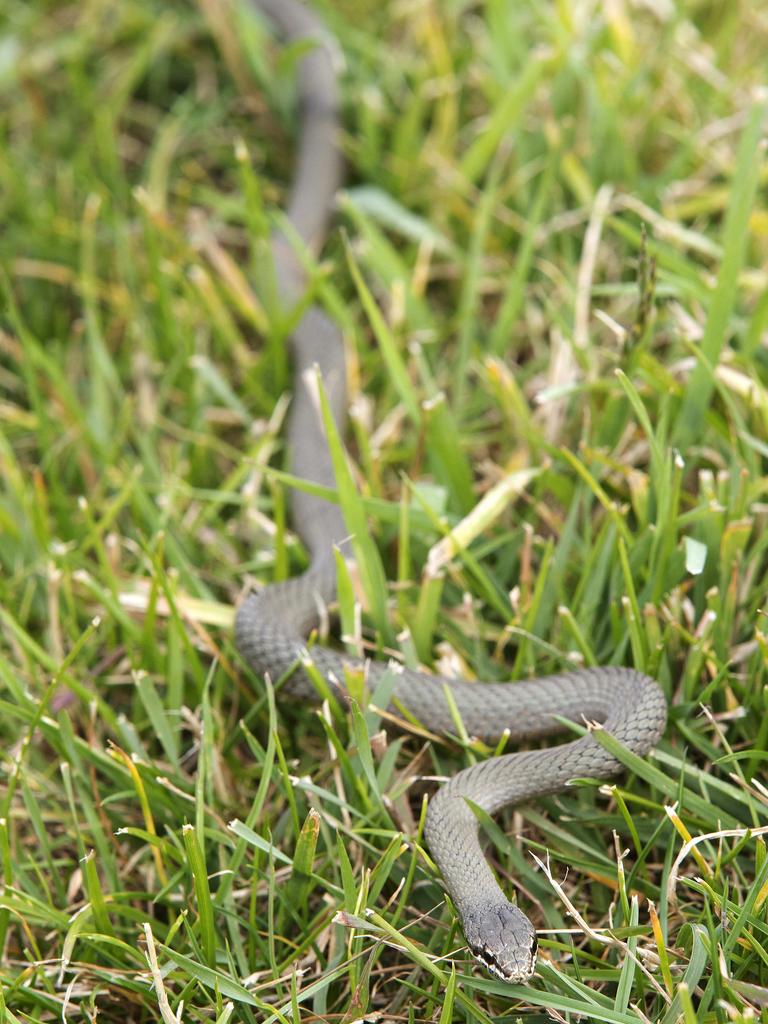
273,623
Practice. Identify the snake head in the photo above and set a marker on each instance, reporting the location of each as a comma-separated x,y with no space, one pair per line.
503,939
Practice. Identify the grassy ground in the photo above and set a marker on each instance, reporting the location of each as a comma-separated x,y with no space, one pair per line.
172,844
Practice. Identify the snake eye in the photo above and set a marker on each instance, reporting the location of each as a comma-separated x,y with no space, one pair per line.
534,946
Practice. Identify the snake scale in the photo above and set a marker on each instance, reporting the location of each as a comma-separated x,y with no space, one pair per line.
272,624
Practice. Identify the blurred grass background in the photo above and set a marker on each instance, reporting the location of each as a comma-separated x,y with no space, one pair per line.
551,260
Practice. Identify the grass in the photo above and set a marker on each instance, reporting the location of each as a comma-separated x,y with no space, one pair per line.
551,267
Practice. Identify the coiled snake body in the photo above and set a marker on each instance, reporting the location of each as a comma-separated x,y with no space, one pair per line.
271,625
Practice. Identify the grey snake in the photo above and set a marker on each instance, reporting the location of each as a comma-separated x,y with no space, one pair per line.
272,624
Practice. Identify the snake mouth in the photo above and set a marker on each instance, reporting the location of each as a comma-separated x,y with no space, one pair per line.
489,961
512,973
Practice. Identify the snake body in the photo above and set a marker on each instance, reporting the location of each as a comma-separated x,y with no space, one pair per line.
272,624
